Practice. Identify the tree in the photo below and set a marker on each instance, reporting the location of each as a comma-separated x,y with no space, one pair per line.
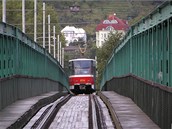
14,17
104,53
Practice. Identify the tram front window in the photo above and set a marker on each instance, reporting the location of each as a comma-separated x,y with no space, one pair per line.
82,67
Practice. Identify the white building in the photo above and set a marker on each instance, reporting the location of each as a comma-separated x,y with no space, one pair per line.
73,34
112,24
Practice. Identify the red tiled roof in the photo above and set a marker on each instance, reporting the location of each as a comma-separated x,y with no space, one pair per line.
119,25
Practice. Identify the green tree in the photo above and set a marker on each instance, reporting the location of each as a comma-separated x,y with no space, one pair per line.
104,53
14,17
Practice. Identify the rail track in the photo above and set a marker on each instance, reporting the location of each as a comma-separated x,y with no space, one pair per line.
79,112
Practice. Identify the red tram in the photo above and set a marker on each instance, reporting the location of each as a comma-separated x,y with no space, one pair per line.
82,75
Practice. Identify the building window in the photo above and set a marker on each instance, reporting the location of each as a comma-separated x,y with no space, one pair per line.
102,43
110,22
109,28
114,21
106,22
104,35
101,36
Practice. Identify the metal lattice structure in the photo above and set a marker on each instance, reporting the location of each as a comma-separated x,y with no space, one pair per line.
146,49
19,55
26,69
140,66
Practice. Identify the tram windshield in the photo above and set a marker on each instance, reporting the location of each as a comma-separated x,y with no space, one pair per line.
82,67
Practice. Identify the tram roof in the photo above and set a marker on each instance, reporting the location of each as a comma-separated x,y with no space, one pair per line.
80,59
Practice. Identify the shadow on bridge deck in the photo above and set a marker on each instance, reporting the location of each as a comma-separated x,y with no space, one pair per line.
17,114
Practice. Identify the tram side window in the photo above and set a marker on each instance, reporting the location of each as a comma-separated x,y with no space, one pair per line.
93,68
71,68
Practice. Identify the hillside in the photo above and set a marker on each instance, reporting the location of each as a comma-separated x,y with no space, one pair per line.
92,12
89,15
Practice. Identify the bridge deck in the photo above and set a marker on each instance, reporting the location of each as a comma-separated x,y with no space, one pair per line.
129,115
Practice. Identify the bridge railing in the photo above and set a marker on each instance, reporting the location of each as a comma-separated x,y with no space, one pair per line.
26,69
22,56
154,99
140,66
146,50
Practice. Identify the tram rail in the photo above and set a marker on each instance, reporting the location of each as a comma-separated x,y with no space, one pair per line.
48,115
90,116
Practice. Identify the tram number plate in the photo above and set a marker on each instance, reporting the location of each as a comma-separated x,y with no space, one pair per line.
82,87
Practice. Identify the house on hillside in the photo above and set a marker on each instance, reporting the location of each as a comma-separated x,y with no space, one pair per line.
73,34
112,24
